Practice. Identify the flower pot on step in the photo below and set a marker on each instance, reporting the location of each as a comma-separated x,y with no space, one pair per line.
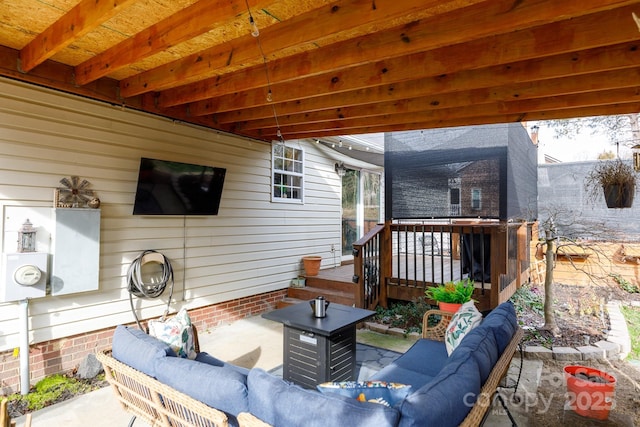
311,264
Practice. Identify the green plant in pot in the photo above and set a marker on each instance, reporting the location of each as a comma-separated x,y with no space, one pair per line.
615,179
451,295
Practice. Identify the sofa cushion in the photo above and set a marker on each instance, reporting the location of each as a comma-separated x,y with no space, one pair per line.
382,391
135,348
204,357
448,398
481,343
282,404
503,322
462,322
416,366
220,387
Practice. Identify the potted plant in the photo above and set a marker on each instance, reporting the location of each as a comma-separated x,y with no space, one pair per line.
451,295
616,179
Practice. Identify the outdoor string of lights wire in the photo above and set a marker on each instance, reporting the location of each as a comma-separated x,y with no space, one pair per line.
153,289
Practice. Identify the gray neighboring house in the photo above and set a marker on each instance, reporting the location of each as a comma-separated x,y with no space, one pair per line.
561,189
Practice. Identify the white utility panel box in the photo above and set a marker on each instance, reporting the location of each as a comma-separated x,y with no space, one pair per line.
75,250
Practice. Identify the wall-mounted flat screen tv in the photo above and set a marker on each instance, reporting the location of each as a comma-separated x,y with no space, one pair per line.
174,188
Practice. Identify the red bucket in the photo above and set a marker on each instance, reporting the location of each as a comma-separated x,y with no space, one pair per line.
590,392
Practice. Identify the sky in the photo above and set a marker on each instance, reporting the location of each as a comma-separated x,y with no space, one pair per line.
580,148
575,149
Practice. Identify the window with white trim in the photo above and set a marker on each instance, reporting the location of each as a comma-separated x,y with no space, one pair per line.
288,173
476,198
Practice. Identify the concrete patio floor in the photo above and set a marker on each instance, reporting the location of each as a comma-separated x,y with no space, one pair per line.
251,342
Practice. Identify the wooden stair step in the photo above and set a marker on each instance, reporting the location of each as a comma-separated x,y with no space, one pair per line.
309,292
330,283
287,301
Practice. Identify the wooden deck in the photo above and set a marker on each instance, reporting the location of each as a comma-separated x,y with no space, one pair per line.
336,283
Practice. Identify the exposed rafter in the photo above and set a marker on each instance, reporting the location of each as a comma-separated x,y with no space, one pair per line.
332,67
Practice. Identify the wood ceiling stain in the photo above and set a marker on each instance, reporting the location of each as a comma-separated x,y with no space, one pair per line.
339,66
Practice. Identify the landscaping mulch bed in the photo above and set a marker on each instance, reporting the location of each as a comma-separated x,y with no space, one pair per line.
580,313
581,316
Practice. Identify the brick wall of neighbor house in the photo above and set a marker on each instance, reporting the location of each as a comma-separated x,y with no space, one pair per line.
64,355
253,247
481,174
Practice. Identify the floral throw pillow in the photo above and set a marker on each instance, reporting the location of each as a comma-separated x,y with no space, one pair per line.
465,319
382,392
177,332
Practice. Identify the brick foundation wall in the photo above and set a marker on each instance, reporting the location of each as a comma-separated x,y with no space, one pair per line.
64,355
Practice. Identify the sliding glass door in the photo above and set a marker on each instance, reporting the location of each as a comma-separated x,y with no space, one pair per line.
360,206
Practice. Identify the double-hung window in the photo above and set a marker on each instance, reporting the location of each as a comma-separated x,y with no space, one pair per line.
476,199
288,174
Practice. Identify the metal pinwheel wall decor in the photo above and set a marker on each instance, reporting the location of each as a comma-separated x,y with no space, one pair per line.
75,193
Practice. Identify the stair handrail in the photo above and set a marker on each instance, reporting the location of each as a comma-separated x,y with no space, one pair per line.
370,267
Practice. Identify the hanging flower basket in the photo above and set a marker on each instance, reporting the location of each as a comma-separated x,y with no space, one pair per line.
616,179
619,196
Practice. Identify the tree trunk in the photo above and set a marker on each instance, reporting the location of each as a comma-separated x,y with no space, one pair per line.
549,317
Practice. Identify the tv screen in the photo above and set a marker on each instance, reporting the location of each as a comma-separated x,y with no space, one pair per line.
174,188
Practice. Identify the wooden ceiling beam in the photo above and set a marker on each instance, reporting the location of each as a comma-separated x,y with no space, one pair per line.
190,22
626,55
608,80
618,57
589,31
458,26
307,31
82,18
569,113
591,99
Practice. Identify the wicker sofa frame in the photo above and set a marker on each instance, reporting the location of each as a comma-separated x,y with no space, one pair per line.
439,321
154,402
161,405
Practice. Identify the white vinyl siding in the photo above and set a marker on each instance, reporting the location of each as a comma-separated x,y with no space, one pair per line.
252,246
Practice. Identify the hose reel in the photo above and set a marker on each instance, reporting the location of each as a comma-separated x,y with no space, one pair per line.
156,286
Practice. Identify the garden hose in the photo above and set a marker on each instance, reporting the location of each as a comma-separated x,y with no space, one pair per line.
136,285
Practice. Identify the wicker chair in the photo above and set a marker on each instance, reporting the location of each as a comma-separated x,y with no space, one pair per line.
5,419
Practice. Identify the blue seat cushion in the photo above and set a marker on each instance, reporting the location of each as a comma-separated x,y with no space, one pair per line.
204,357
282,404
503,322
481,343
220,387
416,366
447,399
135,348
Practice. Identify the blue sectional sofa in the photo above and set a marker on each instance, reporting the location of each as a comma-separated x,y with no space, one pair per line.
445,390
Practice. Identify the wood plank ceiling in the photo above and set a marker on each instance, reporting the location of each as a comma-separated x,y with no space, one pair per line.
321,68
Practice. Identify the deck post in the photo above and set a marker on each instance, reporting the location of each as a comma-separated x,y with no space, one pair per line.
499,255
386,264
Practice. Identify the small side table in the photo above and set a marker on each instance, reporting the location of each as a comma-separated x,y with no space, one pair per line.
318,350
